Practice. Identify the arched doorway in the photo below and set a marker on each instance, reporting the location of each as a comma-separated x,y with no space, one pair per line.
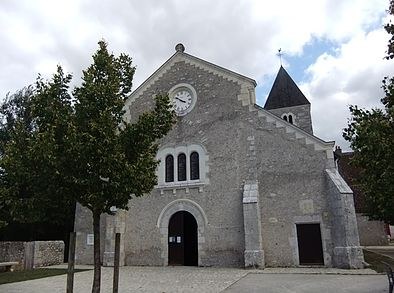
182,239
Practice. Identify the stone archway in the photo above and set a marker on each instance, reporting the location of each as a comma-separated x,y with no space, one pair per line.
164,219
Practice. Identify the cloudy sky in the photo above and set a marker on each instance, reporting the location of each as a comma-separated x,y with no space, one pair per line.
333,49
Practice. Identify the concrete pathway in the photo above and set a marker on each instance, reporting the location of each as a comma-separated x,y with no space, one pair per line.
305,283
384,250
193,279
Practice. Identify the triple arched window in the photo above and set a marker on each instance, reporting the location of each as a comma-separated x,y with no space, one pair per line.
184,172
182,165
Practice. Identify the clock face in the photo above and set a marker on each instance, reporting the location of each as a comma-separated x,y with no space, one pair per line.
182,101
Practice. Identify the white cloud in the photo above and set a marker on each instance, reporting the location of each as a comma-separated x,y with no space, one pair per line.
240,35
352,76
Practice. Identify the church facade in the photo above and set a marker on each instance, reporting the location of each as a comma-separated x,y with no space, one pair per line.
238,184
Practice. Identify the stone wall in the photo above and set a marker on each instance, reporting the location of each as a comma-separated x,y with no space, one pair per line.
48,253
218,198
347,251
371,233
84,239
32,254
220,240
13,251
291,190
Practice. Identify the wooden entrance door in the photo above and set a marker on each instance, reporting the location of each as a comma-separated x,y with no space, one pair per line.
310,249
182,240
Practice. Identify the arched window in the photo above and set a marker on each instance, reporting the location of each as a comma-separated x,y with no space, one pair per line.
290,118
194,166
169,168
181,167
285,117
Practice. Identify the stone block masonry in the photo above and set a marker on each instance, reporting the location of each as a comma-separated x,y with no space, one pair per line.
347,251
48,253
13,251
254,254
33,254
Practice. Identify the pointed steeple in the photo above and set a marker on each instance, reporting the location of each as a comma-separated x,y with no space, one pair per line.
284,93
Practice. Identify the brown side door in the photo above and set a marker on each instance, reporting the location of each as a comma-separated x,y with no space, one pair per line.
310,249
176,240
182,240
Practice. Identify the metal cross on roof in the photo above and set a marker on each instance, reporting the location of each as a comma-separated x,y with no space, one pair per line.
280,55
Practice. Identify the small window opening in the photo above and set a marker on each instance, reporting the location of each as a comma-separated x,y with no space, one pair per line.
181,167
194,166
169,168
291,119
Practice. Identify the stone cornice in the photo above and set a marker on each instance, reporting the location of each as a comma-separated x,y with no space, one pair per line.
339,182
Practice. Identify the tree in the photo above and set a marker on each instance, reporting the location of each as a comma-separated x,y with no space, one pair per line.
15,109
112,159
31,207
22,195
371,136
81,149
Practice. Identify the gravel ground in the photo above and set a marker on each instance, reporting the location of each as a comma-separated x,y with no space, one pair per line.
193,279
138,279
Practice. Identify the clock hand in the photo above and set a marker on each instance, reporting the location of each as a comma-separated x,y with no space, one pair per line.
180,100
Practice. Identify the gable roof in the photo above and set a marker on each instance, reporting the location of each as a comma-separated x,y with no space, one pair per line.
180,56
284,93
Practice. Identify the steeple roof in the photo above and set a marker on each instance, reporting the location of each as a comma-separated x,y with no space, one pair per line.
284,93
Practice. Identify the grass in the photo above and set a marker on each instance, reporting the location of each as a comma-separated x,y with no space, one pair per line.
375,260
18,276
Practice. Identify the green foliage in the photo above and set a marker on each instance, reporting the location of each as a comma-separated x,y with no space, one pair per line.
112,159
59,148
371,136
15,108
55,145
30,191
389,27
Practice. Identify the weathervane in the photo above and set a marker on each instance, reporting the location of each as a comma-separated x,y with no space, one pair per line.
280,55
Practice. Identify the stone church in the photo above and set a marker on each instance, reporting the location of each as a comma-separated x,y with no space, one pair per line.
239,185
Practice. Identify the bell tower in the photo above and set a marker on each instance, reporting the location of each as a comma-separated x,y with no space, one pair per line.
288,102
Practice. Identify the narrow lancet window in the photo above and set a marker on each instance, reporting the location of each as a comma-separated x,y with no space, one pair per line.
181,167
291,119
194,166
285,117
169,168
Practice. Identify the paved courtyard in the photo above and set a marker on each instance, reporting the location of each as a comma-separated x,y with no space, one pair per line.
297,283
192,279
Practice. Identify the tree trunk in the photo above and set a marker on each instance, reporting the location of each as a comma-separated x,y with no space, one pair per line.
97,263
